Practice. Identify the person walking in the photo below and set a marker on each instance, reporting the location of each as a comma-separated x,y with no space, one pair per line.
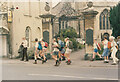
68,50
24,44
38,49
106,51
114,48
55,52
44,49
96,46
61,47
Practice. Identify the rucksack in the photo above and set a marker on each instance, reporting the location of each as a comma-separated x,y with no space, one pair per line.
99,46
70,45
39,46
46,45
62,44
109,44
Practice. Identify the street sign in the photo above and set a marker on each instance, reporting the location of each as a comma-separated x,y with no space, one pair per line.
10,16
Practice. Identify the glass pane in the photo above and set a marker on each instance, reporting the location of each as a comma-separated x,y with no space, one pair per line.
104,22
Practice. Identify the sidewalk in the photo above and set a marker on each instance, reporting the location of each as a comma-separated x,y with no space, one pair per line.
76,57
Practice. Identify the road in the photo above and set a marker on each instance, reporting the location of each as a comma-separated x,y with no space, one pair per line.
14,69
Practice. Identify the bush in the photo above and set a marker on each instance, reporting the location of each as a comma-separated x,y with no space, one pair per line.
71,33
80,46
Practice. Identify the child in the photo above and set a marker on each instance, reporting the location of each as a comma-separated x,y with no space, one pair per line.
55,52
106,51
36,55
96,46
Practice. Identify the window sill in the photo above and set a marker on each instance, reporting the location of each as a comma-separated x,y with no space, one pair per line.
27,15
37,17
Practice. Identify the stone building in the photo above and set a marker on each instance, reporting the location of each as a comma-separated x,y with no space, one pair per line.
101,22
23,20
36,20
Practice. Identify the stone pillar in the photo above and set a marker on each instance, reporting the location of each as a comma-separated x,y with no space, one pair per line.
50,37
89,27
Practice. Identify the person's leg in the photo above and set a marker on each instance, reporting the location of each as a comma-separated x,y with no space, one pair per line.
35,57
26,54
93,55
99,55
23,55
115,59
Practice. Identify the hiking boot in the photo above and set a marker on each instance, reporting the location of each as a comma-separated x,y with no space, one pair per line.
69,62
92,59
106,61
35,62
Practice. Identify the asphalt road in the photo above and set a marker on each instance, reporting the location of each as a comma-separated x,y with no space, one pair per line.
78,70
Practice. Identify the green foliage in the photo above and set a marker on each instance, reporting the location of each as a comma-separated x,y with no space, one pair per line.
80,46
115,20
70,32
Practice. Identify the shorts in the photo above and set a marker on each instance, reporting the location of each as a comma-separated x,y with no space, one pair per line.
105,52
60,49
68,51
63,51
95,50
55,53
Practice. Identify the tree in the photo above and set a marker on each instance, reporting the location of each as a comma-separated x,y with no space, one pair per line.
115,20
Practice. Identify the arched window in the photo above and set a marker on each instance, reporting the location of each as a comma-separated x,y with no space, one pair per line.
104,20
27,35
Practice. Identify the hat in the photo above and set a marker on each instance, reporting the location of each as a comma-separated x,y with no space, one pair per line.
111,37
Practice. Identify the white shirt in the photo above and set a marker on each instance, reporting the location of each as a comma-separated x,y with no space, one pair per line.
67,44
113,45
43,45
95,45
36,45
55,44
105,42
24,43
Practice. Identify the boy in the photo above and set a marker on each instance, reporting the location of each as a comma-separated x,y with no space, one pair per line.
36,55
96,46
55,52
68,51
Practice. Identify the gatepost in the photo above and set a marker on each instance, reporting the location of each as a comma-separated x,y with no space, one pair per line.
89,28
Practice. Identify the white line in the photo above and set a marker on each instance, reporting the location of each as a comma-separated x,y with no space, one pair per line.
70,76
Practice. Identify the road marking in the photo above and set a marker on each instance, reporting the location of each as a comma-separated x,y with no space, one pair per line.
70,76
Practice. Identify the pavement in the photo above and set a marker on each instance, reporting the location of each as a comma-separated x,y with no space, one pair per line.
14,69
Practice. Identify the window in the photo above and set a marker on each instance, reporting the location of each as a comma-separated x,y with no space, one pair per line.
104,20
27,35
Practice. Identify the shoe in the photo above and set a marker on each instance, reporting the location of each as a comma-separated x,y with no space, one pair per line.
92,59
113,64
66,62
69,62
35,62
43,61
106,61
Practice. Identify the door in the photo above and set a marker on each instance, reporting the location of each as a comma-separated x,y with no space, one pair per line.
46,36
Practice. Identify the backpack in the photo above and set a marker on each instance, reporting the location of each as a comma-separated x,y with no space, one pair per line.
46,45
99,46
39,46
109,44
62,44
70,45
